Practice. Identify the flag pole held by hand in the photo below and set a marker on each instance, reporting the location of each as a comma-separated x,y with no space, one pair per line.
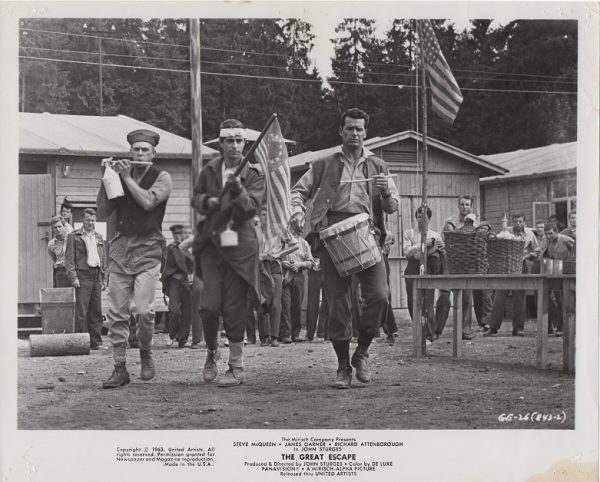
250,152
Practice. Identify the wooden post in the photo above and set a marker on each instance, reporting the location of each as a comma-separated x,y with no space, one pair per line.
196,103
67,344
542,324
424,222
417,327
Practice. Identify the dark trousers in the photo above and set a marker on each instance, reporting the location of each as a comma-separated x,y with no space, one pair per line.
180,310
316,310
323,322
555,311
269,322
224,293
389,320
88,304
483,302
251,323
442,309
497,315
412,268
374,293
292,294
60,278
355,305
195,296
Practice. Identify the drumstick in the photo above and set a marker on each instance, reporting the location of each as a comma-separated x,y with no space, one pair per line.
366,179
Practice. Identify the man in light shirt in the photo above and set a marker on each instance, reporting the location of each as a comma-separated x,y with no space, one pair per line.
349,182
85,265
56,251
412,250
453,223
294,265
530,252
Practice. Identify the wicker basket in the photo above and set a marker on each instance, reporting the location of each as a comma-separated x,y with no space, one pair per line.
505,256
569,265
466,251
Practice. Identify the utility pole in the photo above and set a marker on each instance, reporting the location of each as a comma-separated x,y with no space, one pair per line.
196,103
100,67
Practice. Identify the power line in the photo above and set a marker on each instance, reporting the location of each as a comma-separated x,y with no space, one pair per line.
102,37
150,43
284,67
477,71
105,54
290,79
246,52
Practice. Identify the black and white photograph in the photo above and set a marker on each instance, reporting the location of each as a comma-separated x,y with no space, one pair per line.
281,239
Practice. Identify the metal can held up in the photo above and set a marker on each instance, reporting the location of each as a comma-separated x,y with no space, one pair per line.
112,183
229,237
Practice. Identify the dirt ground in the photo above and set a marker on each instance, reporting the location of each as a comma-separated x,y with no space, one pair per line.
289,387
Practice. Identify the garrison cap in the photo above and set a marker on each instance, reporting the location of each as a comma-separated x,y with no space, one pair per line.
177,228
143,135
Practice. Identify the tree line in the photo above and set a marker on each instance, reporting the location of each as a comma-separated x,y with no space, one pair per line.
515,78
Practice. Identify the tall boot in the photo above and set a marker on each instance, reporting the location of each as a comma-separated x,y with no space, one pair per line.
235,374
210,370
119,377
359,361
147,370
344,372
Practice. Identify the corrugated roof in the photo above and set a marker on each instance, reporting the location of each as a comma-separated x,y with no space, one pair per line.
300,160
539,160
93,136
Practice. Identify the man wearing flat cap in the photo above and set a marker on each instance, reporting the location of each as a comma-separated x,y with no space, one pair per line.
136,252
229,270
177,281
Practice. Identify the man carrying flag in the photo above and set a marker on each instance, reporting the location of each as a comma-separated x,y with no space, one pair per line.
229,268
445,93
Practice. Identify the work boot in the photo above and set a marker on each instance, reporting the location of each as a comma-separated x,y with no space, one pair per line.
344,378
359,361
147,371
119,377
210,371
233,377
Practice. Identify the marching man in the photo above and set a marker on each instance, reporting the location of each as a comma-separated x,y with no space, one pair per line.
136,253
228,268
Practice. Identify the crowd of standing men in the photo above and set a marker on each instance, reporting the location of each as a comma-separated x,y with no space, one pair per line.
229,278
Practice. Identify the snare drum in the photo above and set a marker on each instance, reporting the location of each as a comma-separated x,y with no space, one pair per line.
351,244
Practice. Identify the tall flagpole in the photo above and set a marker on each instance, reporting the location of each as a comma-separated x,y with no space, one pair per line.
424,221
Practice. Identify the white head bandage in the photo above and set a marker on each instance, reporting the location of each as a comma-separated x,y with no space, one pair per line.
232,132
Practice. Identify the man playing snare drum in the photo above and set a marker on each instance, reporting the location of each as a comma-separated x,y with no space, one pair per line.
349,182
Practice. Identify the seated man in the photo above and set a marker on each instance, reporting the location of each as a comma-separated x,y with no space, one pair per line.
412,247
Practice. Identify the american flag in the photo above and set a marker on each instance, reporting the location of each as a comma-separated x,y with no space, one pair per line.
445,93
271,153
